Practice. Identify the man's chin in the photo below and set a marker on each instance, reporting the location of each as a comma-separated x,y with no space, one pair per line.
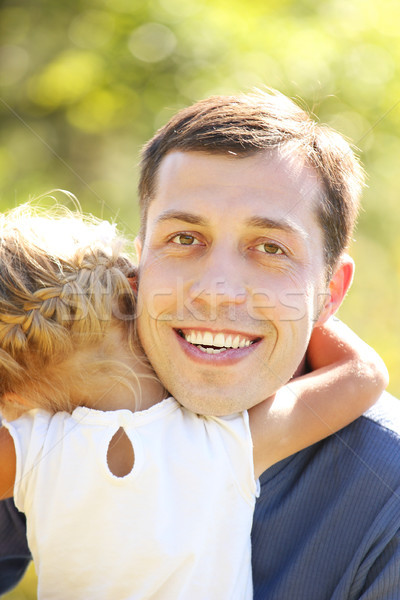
213,404
212,411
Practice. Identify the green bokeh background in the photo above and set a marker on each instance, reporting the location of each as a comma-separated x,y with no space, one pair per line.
85,83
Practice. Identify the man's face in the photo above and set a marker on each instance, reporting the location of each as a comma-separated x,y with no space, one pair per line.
232,276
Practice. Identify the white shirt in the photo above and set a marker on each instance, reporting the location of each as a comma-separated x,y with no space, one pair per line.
176,527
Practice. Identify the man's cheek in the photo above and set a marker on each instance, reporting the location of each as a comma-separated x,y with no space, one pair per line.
154,303
167,303
285,305
295,306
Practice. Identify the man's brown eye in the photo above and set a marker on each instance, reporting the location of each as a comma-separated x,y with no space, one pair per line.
269,249
272,249
184,239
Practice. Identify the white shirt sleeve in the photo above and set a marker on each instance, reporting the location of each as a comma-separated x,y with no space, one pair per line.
29,433
234,431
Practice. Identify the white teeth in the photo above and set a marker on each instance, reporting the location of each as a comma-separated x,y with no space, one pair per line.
220,341
235,342
215,350
211,350
207,339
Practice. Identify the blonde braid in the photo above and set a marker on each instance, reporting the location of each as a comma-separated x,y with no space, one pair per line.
82,305
55,302
12,336
45,314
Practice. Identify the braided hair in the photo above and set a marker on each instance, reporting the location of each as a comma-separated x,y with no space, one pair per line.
63,287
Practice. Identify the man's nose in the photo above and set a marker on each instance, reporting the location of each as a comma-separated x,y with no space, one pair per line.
220,279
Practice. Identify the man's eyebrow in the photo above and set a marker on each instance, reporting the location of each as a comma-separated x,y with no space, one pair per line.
282,224
257,222
178,215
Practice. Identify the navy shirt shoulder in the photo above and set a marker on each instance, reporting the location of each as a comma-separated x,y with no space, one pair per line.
14,551
327,522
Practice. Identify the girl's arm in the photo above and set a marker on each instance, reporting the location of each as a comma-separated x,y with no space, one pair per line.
7,464
347,377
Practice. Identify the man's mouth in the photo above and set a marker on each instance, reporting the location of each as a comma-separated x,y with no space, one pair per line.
211,342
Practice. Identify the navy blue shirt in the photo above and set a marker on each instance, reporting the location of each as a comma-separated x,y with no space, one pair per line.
326,525
14,551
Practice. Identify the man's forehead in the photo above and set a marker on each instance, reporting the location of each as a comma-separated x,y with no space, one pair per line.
289,158
280,174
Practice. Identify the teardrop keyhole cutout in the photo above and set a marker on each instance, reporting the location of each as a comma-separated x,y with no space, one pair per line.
120,454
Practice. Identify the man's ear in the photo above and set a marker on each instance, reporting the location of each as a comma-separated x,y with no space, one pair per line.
338,287
138,247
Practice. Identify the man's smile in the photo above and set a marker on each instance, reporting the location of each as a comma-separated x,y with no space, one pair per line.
214,342
221,347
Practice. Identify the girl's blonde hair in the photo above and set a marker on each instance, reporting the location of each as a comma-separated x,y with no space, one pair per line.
63,287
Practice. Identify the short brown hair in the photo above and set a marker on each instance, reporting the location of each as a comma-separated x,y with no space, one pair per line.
256,122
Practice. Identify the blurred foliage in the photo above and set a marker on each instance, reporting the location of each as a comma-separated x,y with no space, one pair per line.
85,83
